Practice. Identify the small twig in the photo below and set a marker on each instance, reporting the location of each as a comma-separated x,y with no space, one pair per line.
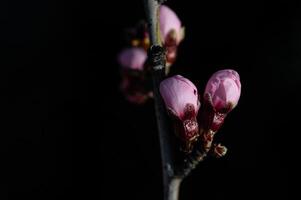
202,149
192,160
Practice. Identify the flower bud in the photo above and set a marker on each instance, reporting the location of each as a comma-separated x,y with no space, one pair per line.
181,100
135,83
172,33
220,97
132,58
224,88
170,25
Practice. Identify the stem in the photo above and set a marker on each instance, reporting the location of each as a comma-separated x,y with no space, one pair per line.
167,153
151,10
172,173
157,61
173,189
193,159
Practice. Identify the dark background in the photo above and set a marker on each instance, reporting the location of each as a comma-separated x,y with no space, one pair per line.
67,132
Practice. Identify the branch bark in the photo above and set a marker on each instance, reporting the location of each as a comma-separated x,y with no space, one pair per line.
173,173
157,61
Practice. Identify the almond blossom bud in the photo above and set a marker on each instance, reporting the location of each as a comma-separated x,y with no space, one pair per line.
132,58
135,83
181,99
224,88
172,32
170,25
221,96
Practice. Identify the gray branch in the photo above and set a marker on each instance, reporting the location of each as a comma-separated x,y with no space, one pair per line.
157,61
173,173
151,10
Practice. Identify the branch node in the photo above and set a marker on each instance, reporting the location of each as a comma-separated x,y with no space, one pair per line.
157,57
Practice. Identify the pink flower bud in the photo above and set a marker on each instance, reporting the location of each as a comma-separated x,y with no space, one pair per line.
135,78
181,99
221,96
170,25
132,58
224,88
178,92
172,33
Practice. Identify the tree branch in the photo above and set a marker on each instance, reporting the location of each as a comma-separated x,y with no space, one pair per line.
157,61
202,148
151,10
192,160
173,172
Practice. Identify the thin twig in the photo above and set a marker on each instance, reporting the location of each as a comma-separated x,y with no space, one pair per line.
201,150
192,160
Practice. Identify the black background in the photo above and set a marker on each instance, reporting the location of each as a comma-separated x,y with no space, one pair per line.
67,132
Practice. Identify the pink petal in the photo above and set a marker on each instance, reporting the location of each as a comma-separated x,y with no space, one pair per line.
169,21
177,92
132,58
224,87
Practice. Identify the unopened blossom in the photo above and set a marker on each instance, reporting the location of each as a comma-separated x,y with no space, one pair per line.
172,33
135,83
224,88
220,97
132,58
181,100
170,25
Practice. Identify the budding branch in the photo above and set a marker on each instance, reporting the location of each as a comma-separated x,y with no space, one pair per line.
173,173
